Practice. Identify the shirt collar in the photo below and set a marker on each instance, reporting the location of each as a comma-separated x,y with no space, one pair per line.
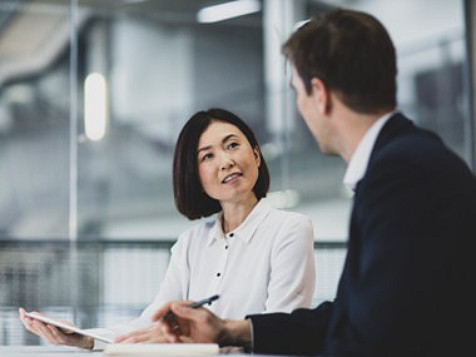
359,161
247,228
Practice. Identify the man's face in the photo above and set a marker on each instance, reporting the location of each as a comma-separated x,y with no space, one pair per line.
309,108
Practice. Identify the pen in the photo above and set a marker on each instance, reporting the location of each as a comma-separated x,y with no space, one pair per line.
200,303
170,316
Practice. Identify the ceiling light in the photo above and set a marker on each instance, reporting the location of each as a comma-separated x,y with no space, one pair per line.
95,106
228,10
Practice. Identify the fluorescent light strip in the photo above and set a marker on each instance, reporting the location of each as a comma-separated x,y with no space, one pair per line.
95,106
228,10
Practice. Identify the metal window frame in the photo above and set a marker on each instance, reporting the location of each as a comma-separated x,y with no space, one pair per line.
470,31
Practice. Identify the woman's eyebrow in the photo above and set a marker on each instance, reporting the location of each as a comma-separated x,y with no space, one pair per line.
224,140
228,137
204,148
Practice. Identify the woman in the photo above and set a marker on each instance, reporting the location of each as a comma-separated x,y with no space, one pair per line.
257,258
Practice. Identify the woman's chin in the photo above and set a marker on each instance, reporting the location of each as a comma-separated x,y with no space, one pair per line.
239,196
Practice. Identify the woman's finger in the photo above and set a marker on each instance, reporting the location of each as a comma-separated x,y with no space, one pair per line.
57,335
135,338
151,336
36,326
29,325
121,338
27,322
21,310
45,332
127,336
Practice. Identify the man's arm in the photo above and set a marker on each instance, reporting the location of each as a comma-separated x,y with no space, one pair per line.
303,332
403,265
236,333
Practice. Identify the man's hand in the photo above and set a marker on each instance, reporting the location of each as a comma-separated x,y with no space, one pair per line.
56,335
202,326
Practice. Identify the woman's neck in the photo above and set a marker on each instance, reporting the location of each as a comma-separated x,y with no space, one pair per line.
234,213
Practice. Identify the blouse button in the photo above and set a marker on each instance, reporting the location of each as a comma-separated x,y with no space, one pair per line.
226,247
218,274
231,235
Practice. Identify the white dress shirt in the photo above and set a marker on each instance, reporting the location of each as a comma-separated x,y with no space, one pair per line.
360,159
264,265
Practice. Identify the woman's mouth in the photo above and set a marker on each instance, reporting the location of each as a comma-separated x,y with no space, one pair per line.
231,177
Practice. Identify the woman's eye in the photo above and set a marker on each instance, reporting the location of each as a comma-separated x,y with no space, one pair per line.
232,145
206,157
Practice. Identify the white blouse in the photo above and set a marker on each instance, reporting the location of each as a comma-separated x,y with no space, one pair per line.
264,265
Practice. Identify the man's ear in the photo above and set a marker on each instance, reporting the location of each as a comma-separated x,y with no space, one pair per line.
322,96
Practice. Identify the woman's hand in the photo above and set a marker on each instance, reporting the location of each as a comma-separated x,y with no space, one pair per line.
56,335
151,334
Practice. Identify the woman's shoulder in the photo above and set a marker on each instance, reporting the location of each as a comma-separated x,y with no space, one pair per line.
202,228
285,226
285,216
194,239
283,222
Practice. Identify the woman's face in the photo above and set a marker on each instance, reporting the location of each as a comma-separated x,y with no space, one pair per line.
227,164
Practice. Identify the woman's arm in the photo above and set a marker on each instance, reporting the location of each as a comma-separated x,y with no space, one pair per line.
293,274
176,281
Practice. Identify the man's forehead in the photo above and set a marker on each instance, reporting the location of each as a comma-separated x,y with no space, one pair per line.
294,71
295,77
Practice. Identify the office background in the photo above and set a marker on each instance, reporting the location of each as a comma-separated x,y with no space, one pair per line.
93,94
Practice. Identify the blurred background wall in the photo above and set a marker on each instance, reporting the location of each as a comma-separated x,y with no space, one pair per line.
93,94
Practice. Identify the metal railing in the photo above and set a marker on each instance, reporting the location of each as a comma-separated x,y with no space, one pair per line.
112,280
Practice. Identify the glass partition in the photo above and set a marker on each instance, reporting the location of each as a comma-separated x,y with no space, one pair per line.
142,68
34,119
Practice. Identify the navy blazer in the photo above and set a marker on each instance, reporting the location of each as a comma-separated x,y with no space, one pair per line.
406,288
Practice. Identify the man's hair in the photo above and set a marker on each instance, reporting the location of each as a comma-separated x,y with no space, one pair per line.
352,53
190,197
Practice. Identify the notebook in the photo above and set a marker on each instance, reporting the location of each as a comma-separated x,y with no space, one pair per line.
147,349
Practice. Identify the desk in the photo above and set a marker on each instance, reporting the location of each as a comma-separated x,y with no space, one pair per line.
62,351
45,351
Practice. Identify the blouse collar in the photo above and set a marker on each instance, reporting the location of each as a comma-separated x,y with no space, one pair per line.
246,229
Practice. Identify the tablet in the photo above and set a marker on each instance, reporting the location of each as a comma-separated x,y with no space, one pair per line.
64,326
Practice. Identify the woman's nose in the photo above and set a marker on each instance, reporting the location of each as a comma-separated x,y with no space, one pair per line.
226,162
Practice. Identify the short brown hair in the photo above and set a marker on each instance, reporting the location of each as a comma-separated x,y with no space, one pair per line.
190,198
352,53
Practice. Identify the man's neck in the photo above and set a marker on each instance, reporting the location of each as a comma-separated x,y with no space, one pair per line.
353,129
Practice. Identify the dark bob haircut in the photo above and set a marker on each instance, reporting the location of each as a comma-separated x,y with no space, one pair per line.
190,198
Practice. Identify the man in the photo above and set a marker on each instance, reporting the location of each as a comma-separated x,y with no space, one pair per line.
406,288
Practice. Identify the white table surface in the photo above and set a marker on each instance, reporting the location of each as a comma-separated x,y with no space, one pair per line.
44,351
62,351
